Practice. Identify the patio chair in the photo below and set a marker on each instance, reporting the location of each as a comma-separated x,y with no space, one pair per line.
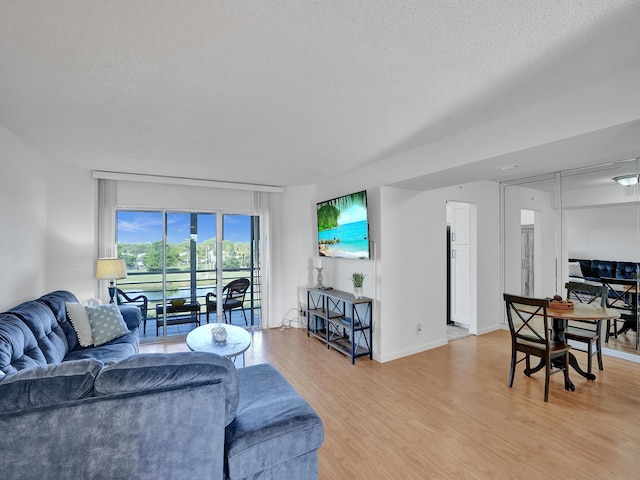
140,301
233,294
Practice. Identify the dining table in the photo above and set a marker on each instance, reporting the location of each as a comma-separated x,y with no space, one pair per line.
560,317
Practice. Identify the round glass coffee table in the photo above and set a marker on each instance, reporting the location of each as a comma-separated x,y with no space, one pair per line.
238,341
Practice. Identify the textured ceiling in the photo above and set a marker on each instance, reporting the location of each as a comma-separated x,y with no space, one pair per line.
286,92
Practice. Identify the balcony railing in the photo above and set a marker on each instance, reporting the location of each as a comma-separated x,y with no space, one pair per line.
179,284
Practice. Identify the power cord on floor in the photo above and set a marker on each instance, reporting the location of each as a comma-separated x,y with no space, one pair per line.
287,321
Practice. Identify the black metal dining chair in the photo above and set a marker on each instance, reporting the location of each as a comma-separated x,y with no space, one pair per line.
531,335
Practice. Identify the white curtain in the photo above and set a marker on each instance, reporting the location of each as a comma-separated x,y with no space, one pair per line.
261,206
106,227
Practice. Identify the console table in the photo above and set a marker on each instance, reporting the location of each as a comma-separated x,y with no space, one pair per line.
193,308
341,321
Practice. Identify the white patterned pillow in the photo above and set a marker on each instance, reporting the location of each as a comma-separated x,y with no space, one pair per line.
106,323
575,270
79,319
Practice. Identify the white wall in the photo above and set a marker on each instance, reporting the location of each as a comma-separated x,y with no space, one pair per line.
603,233
297,247
71,231
413,270
23,217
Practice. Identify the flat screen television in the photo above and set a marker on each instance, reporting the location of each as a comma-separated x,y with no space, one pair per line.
343,227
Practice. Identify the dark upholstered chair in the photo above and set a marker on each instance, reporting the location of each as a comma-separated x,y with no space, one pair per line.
233,294
585,332
622,296
530,334
140,301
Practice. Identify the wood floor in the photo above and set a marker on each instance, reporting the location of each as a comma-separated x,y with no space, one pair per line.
448,413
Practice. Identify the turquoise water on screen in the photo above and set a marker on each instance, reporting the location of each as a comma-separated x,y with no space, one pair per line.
351,240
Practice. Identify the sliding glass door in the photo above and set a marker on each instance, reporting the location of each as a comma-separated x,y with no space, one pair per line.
240,260
175,259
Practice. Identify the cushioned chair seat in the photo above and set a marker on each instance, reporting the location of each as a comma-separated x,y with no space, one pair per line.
273,425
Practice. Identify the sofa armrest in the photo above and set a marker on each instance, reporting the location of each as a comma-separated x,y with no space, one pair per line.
132,316
48,384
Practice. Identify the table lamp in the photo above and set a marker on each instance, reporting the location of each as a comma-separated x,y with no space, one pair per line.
111,269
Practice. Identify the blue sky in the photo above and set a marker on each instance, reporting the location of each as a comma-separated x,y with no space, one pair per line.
141,227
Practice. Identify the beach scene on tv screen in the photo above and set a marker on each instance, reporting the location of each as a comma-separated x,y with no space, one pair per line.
342,227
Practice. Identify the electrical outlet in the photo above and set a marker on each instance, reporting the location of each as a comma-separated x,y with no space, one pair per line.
418,328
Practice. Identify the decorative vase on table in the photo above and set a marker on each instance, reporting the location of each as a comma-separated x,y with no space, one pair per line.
219,333
357,292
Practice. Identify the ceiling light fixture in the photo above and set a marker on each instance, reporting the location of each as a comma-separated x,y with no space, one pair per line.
627,180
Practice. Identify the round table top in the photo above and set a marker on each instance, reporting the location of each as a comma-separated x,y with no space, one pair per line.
201,339
583,311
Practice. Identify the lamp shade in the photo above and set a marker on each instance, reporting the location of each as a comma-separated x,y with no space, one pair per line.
317,262
111,269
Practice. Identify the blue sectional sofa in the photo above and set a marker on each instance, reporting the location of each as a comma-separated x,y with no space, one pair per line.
69,412
592,270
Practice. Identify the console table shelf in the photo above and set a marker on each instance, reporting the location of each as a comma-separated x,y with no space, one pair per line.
341,321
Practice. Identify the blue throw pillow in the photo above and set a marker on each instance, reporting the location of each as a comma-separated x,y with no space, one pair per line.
106,323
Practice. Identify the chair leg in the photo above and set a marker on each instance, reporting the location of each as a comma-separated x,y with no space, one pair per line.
512,370
589,356
599,353
567,385
246,322
547,374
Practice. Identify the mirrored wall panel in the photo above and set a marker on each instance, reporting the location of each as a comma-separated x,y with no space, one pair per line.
577,227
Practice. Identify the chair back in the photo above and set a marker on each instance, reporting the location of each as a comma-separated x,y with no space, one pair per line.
236,289
140,301
620,292
528,320
587,293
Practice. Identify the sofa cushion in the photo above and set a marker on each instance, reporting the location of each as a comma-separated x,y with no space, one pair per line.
153,371
113,351
602,268
56,302
19,348
48,384
106,323
273,423
626,270
132,316
50,337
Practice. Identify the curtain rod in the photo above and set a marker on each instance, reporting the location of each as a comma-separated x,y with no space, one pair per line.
191,182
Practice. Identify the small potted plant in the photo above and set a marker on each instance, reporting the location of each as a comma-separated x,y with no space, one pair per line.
357,279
